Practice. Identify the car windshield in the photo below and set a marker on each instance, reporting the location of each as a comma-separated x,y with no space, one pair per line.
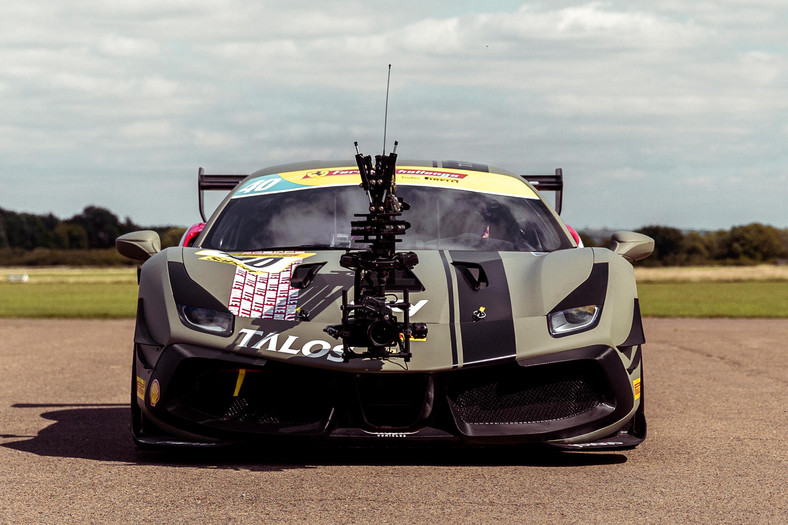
440,218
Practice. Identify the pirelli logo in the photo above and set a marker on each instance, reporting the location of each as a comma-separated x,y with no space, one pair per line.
636,387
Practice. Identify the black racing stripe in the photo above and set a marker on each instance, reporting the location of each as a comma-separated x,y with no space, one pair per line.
636,335
188,292
591,291
492,337
635,360
455,361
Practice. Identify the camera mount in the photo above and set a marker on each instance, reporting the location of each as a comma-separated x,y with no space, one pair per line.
370,321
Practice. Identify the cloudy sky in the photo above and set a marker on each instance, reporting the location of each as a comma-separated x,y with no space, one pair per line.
660,112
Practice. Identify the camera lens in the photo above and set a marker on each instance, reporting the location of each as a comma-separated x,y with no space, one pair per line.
382,333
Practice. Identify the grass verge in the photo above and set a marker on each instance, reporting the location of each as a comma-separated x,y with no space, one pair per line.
68,300
714,299
664,292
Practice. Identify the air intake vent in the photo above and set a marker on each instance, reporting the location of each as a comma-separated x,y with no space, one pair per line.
394,401
521,396
274,396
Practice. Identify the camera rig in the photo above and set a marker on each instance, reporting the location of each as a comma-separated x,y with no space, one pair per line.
370,320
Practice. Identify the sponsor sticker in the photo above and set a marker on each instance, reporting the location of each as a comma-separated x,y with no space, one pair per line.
261,284
140,388
155,393
406,175
636,387
263,295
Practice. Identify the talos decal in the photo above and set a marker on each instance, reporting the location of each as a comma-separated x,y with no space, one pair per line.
636,387
270,342
155,393
140,388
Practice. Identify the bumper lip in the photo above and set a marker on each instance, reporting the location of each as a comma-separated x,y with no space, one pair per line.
173,431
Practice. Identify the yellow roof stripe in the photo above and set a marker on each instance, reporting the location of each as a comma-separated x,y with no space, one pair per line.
418,176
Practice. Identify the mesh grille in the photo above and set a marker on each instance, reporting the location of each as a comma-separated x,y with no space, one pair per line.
241,409
520,396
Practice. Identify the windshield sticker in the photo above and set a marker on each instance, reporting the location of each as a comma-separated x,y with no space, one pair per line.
319,174
469,180
266,184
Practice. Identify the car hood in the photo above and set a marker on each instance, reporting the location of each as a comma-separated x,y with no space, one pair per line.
514,290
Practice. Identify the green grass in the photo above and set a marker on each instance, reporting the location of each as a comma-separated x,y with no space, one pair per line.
714,299
112,293
71,300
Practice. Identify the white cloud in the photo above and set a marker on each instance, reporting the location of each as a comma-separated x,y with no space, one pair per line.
126,47
628,174
762,68
213,139
150,131
611,91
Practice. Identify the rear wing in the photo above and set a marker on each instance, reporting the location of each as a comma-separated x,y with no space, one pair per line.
549,183
206,182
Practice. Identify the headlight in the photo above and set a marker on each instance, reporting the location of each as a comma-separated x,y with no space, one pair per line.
206,320
573,320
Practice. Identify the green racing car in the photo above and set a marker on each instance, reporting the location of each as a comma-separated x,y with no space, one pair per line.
396,301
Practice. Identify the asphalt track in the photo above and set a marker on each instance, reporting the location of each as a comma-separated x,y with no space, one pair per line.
716,451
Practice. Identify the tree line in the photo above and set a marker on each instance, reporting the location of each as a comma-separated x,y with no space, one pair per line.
741,245
93,228
97,228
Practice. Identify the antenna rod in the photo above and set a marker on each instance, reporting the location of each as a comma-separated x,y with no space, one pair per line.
386,115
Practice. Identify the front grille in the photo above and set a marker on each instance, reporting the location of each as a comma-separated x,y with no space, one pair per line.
516,395
247,410
210,392
393,400
500,400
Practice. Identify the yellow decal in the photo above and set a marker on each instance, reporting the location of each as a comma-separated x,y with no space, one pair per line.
155,393
255,262
140,388
417,176
239,381
636,387
412,337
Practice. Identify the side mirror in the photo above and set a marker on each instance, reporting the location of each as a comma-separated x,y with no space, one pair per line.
140,246
632,246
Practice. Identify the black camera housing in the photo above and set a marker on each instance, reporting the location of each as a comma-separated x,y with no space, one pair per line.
370,321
